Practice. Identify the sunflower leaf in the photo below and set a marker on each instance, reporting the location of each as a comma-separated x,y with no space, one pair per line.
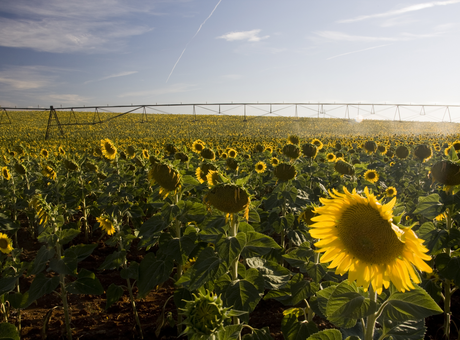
327,334
411,329
411,305
435,239
242,295
293,329
429,206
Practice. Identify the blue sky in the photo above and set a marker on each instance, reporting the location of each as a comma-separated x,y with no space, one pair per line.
86,52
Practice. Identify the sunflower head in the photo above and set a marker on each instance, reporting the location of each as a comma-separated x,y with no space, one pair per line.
330,157
422,152
260,167
181,156
6,173
317,143
213,178
446,172
207,153
293,139
371,176
49,172
197,146
20,168
202,171
108,149
106,224
228,198
131,151
232,153
231,163
167,177
91,166
357,234
370,146
5,244
391,192
284,172
344,168
309,150
402,152
456,145
44,153
259,148
274,161
70,165
307,214
382,149
292,151
171,148
145,154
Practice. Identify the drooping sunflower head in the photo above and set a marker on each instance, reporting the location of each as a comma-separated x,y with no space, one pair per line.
284,172
106,224
202,171
317,143
5,244
91,166
231,163
207,153
371,176
44,153
446,172
260,167
422,152
6,173
259,148
49,172
344,168
309,150
197,146
228,198
181,156
382,149
391,192
20,168
131,151
357,234
293,139
171,148
167,177
330,157
61,151
370,146
306,215
291,151
274,161
213,178
70,165
108,149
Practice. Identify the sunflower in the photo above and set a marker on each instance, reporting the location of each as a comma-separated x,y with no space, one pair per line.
108,149
167,177
131,151
229,198
260,167
44,153
370,146
330,157
106,224
61,151
6,173
232,153
317,143
309,150
274,161
357,234
145,154
213,178
391,191
202,172
293,139
371,176
422,152
456,145
5,244
284,172
49,172
292,151
207,153
197,146
402,152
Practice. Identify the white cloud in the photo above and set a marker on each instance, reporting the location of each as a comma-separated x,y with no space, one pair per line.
362,50
70,26
340,36
412,8
27,77
68,99
250,36
122,74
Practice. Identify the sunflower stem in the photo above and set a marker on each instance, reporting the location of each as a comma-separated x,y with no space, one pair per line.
447,312
370,322
234,265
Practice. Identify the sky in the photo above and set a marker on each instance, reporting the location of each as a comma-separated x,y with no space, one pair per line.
122,52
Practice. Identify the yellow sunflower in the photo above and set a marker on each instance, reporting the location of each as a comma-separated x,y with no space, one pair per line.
317,143
198,146
330,157
232,153
44,153
108,149
6,173
61,151
5,244
274,161
371,176
49,172
357,234
260,167
145,154
106,224
391,191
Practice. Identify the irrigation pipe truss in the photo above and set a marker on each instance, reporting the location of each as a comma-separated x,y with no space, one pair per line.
249,111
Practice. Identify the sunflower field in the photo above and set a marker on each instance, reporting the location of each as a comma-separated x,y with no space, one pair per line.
202,228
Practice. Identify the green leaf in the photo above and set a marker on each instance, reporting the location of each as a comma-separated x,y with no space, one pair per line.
327,334
255,277
208,266
6,224
302,289
189,181
316,270
114,260
259,334
242,295
67,235
323,297
346,305
449,267
152,272
258,244
8,331
114,293
80,252
293,329
231,332
435,239
40,286
64,265
192,211
132,272
409,330
7,284
275,275
411,305
229,248
87,283
152,227
429,206
43,256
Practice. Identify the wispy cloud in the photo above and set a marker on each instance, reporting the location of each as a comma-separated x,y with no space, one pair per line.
67,99
199,28
176,88
250,36
67,27
364,49
412,8
27,77
340,36
122,74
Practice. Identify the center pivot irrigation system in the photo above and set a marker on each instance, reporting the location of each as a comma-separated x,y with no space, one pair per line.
248,111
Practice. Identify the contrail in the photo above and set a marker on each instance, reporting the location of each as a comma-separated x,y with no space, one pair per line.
199,28
365,49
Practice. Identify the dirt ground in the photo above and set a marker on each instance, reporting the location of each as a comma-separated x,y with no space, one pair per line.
90,320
